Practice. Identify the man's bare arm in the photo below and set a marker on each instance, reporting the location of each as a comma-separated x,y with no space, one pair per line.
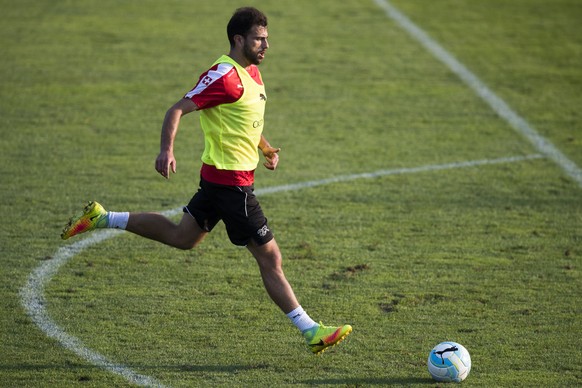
165,160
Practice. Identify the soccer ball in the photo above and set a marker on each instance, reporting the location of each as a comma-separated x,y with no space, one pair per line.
449,361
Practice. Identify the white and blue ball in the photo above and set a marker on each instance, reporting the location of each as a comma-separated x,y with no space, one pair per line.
449,362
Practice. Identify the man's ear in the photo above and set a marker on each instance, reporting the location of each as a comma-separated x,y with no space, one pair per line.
239,39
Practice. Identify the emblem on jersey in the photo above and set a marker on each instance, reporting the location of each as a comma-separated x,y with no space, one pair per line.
207,81
263,231
263,97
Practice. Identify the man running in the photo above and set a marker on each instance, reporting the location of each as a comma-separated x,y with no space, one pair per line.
231,99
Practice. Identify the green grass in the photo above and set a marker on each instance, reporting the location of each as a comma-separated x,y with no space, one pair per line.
487,256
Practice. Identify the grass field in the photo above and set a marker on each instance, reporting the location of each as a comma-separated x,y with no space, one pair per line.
467,231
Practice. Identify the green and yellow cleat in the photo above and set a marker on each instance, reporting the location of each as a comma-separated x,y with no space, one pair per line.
322,337
94,216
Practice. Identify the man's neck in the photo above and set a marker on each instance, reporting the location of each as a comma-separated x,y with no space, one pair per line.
239,58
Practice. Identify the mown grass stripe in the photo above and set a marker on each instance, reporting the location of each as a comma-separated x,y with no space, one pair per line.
540,143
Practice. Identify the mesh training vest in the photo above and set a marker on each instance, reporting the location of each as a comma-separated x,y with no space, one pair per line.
232,132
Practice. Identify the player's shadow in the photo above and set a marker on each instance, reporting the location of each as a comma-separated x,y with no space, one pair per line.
216,368
136,367
370,381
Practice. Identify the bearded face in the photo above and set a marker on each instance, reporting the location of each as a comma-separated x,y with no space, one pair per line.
255,45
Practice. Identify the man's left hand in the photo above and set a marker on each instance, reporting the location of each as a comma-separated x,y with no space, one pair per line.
272,157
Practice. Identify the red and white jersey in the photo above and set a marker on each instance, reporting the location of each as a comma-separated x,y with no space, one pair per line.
220,85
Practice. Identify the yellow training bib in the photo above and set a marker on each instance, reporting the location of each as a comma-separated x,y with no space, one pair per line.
232,132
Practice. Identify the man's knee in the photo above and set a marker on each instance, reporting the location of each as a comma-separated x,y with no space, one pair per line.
187,242
187,234
185,245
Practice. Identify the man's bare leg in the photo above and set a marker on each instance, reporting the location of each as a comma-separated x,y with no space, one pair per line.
185,235
269,258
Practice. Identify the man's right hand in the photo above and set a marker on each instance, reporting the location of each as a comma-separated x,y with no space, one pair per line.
164,162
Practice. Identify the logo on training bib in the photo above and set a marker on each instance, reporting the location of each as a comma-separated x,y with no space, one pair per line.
258,123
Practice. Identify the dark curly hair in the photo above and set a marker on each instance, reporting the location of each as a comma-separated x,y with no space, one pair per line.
243,20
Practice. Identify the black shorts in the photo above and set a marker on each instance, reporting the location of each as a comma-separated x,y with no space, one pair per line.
236,206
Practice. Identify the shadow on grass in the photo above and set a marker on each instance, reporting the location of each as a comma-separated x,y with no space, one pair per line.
137,367
224,369
214,368
370,381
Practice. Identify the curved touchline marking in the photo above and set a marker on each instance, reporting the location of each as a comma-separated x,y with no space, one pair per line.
32,293
34,302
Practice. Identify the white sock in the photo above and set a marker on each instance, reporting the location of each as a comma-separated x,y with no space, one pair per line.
300,319
117,220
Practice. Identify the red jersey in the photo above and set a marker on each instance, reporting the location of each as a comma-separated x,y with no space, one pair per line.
221,84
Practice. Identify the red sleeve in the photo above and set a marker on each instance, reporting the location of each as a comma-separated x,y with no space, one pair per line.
255,74
219,85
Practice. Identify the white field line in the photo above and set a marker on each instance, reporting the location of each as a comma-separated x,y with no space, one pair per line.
396,171
32,293
540,143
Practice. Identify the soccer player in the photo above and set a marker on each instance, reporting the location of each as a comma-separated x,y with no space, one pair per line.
231,99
